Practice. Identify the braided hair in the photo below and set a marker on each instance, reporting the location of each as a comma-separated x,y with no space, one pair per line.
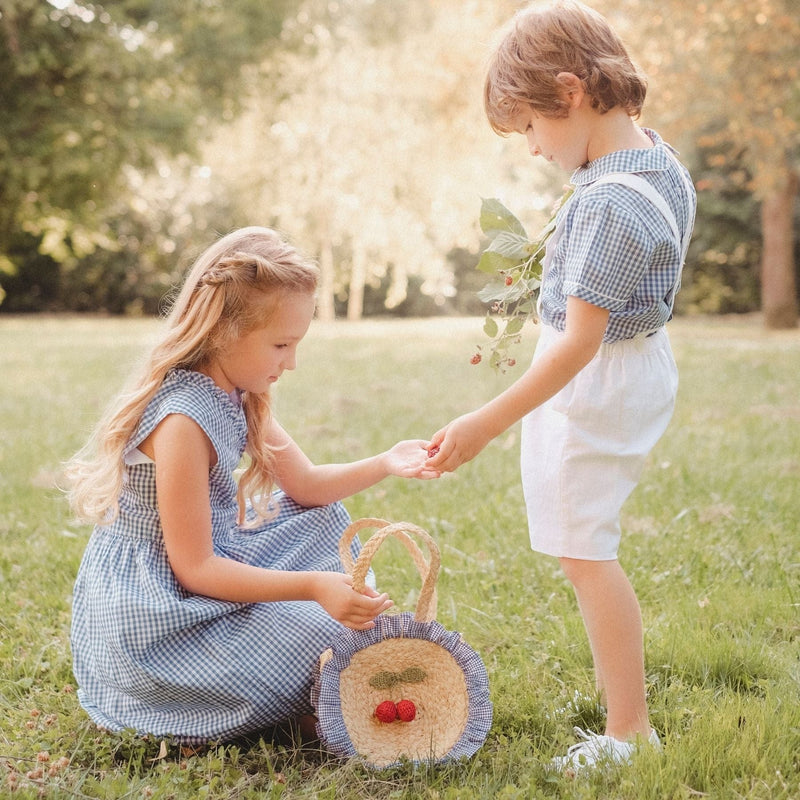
230,290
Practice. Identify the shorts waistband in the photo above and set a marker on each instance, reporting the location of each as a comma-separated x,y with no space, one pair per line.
641,343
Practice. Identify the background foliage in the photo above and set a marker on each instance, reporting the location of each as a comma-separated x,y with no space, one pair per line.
131,133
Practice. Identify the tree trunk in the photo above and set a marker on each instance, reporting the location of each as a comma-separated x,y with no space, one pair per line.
358,279
778,284
326,310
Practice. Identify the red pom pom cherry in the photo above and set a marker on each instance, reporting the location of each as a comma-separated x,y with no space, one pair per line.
406,710
386,711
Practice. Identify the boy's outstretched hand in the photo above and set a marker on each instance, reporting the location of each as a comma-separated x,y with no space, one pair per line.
409,459
458,442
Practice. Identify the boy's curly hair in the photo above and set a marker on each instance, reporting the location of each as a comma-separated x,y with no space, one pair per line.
539,45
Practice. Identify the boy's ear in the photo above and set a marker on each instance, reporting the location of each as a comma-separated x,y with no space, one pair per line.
572,87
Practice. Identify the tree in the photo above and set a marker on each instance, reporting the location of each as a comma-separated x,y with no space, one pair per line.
90,88
734,64
366,141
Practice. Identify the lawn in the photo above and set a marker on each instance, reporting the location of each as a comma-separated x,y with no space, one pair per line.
711,545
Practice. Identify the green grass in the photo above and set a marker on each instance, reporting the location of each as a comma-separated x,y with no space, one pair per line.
710,544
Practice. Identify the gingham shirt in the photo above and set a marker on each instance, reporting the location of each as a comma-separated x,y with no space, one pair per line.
617,251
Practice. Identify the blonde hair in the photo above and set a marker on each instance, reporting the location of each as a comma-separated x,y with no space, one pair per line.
566,37
230,290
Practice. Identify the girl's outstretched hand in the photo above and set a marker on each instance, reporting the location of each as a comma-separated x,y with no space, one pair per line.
335,593
408,459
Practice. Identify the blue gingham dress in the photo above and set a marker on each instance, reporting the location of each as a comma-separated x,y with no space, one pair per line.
150,656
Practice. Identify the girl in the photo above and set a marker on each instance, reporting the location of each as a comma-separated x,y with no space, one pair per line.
201,606
601,388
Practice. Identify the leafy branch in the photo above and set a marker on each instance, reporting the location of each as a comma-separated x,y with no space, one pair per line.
514,260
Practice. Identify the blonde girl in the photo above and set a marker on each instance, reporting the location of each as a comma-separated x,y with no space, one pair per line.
202,603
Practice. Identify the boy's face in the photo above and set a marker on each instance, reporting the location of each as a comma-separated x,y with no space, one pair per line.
562,141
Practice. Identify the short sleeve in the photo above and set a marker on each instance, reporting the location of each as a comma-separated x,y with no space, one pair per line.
194,395
609,251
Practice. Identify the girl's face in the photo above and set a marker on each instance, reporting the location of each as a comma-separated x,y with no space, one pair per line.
254,361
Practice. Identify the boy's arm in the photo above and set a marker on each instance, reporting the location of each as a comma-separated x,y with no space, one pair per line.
463,438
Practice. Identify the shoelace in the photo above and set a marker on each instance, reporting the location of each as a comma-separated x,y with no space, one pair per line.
590,742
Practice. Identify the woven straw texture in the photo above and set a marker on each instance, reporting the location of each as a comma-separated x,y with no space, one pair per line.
404,657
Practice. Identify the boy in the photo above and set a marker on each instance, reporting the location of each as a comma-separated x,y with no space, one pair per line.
601,388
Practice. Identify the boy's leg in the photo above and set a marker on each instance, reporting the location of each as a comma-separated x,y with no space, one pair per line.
613,623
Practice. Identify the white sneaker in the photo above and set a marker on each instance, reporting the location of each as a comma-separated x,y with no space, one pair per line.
599,749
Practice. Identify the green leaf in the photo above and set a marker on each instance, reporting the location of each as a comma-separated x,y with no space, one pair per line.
492,292
514,326
494,262
502,293
496,218
527,307
510,245
490,327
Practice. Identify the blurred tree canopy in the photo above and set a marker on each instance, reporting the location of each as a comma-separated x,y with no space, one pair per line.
91,90
727,73
132,132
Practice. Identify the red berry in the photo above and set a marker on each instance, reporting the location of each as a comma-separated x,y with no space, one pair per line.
386,711
509,280
406,710
476,359
511,362
432,451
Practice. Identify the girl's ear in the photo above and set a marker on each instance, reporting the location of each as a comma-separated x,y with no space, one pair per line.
572,88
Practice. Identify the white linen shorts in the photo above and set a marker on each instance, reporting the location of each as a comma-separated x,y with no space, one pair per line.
583,451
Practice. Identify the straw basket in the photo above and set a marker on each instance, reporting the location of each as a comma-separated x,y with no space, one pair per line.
407,689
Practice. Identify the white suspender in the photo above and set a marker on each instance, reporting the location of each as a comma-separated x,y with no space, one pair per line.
645,188
639,184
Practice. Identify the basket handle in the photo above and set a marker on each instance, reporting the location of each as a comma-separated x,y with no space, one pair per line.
428,570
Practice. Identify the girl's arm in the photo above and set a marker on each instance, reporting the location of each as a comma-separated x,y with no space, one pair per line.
183,455
463,438
319,484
